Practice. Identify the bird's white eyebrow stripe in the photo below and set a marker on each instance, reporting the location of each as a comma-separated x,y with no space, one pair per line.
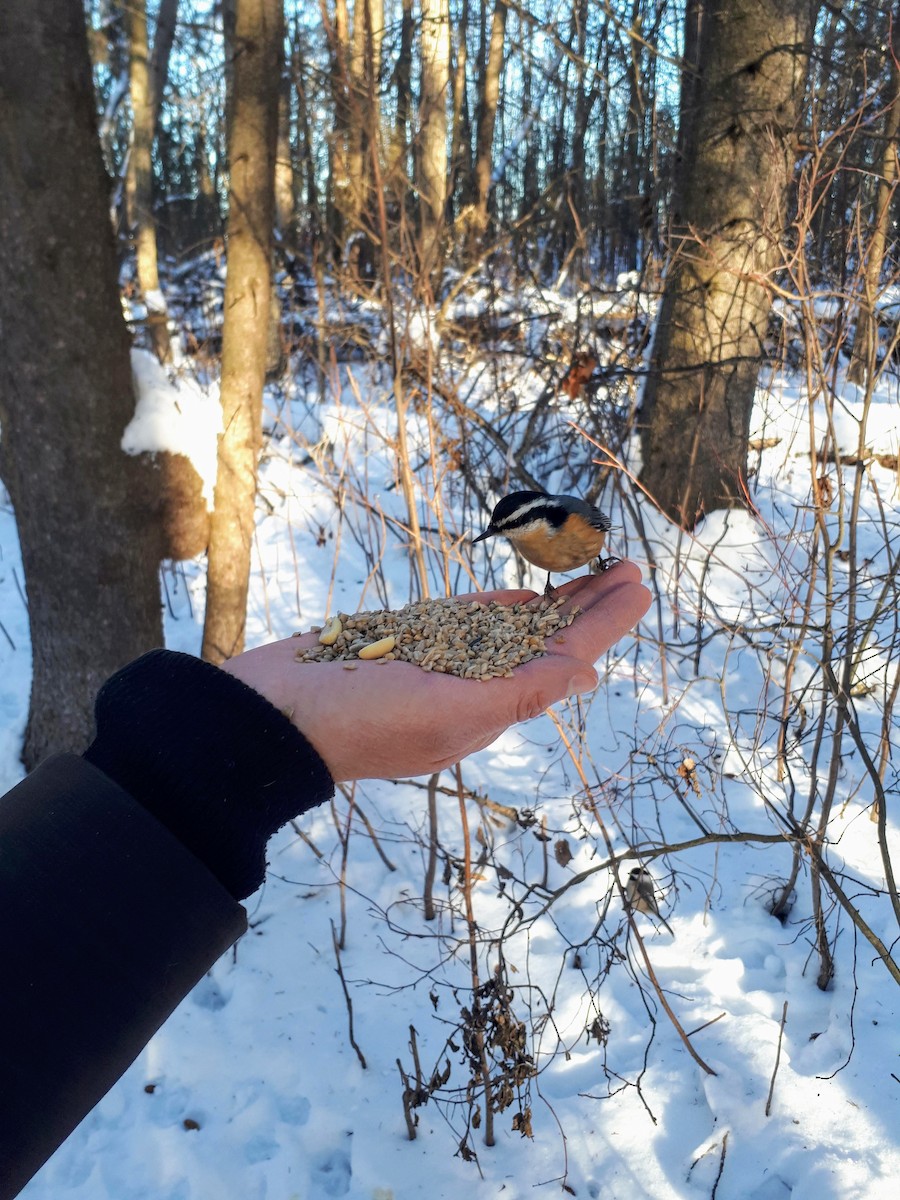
522,510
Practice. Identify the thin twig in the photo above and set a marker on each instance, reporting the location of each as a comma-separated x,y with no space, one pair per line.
340,972
431,866
715,1187
705,1025
777,1059
304,837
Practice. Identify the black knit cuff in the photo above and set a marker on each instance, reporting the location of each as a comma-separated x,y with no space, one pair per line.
213,760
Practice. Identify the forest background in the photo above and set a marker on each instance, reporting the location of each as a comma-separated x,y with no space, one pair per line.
580,251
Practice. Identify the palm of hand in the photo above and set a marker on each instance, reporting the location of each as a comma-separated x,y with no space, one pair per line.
383,721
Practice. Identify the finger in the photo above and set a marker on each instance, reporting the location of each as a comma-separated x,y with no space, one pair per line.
610,615
501,595
587,590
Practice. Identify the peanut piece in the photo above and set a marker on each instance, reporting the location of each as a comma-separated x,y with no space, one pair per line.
376,649
331,632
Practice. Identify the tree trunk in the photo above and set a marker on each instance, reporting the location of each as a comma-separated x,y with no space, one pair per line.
397,172
463,187
489,87
163,40
140,178
864,361
252,140
85,511
432,157
285,186
729,218
339,186
364,71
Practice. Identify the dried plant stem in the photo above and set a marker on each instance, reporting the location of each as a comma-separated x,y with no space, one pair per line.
349,1002
777,1059
431,866
401,400
588,791
371,832
715,1187
478,1036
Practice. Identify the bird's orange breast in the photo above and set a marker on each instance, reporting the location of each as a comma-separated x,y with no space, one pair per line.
570,547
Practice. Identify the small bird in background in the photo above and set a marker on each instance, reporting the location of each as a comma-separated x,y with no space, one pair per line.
640,895
556,533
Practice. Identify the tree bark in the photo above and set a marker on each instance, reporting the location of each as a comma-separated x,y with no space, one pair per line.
487,117
462,172
163,41
252,139
140,177
742,106
339,186
86,512
285,183
864,360
432,157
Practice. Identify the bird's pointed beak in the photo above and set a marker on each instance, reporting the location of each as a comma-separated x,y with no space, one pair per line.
489,532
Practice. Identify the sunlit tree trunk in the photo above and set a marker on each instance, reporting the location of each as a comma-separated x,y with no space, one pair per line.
285,189
463,187
727,227
363,135
339,180
487,117
86,513
251,157
397,153
631,207
432,158
865,343
140,177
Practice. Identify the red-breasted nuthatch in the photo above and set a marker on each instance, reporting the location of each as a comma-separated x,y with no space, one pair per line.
556,533
640,895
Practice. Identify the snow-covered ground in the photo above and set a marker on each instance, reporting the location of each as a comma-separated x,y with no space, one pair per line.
253,1090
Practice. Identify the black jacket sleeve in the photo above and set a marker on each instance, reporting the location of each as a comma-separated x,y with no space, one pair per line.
120,874
106,923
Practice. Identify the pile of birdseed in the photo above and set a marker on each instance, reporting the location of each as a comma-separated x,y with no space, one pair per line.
470,640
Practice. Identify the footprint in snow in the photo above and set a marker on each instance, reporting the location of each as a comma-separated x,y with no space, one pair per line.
331,1174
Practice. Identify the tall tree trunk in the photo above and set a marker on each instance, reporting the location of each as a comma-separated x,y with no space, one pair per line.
462,172
489,96
305,139
364,72
285,186
86,514
356,134
865,344
339,183
737,167
630,212
432,157
140,177
397,173
251,157
163,41
209,223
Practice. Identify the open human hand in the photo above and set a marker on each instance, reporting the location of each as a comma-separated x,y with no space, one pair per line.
385,720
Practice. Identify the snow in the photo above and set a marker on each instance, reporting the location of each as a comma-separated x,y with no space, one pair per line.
175,415
252,1090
